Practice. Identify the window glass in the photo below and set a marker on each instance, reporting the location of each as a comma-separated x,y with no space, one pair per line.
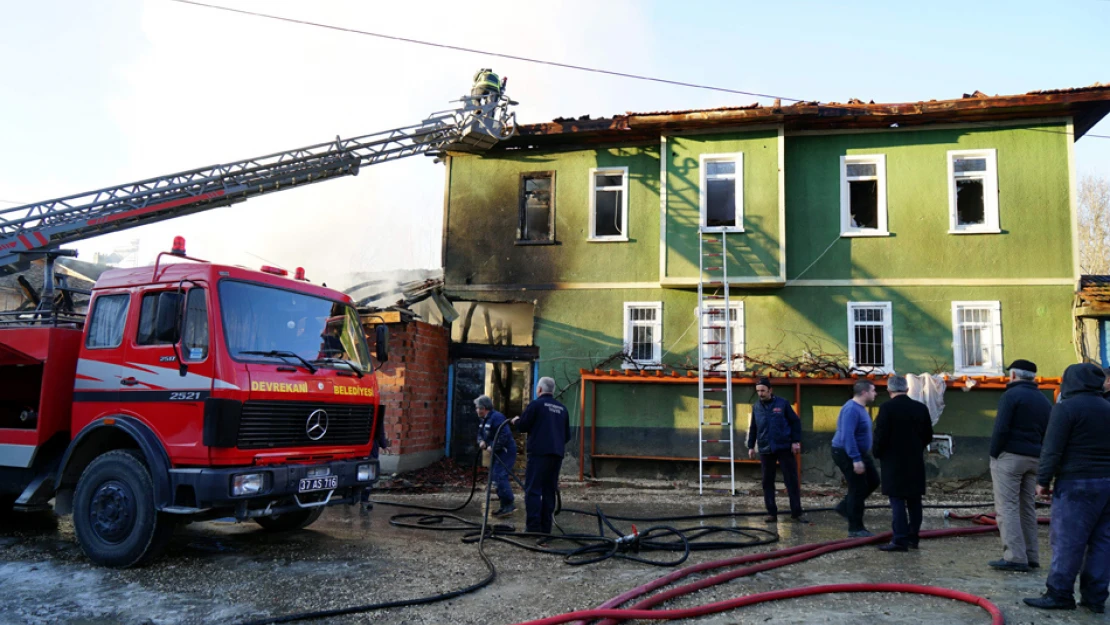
109,315
194,343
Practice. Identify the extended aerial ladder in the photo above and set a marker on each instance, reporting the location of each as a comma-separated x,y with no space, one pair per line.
476,125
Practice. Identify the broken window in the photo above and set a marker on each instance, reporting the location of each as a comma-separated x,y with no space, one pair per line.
977,337
494,323
643,333
537,207
863,195
715,350
722,194
870,338
973,191
609,204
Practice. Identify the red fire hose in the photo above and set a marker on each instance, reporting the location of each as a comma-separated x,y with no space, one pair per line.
767,561
776,595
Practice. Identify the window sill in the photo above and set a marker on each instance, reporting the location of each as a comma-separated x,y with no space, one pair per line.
526,243
975,231
864,233
973,372
609,240
647,366
873,371
724,230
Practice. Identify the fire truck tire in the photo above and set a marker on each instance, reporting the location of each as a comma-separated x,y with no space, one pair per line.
114,516
290,520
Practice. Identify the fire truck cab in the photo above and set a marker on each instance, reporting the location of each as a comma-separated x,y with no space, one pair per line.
191,391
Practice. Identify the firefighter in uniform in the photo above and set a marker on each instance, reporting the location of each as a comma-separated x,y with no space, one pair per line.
503,451
487,84
547,423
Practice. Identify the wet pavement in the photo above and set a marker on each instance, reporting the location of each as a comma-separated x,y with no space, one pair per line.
226,572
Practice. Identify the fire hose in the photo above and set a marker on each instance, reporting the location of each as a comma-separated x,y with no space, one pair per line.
760,562
589,548
777,595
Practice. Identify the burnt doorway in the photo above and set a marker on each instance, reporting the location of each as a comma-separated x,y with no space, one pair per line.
493,354
505,374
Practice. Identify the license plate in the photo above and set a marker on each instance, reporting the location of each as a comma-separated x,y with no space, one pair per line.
327,482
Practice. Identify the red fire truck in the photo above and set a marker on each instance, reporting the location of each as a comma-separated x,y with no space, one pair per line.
193,390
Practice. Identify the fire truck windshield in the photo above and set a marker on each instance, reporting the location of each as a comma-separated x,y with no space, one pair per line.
261,319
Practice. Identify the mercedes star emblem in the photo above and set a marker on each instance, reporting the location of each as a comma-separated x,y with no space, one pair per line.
316,425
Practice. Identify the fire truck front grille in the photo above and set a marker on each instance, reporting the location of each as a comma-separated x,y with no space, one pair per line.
269,424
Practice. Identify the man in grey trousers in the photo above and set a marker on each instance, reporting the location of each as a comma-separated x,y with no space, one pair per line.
1019,430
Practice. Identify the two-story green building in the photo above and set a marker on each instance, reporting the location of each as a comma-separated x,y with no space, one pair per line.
916,238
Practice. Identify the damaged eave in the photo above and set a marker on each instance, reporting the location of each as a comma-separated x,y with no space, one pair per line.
559,127
1093,296
1087,105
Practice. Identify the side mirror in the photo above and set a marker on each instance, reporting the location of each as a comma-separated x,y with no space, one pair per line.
381,342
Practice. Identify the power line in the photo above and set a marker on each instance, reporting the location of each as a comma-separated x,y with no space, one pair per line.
509,56
485,52
12,202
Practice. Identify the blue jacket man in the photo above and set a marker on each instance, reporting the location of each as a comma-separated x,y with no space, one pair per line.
778,430
851,451
503,451
547,423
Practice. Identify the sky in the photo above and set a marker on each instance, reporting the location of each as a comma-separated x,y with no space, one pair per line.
98,94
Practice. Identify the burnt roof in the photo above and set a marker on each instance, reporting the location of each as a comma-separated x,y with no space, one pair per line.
1094,290
1087,105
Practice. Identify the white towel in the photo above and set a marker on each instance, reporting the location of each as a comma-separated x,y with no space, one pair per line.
929,390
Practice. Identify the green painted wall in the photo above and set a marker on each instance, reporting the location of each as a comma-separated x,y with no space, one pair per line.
483,210
584,328
1033,206
755,252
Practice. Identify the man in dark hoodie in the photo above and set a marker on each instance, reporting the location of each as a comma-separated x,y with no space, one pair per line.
1076,454
1019,430
778,430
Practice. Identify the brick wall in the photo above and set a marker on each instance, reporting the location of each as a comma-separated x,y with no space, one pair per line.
414,388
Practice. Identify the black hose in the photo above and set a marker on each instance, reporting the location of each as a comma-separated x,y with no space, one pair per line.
725,515
582,549
585,549
491,575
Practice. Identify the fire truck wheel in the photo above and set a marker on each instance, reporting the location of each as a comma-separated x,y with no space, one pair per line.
113,511
290,520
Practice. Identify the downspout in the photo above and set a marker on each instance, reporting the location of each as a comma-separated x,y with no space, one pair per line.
450,406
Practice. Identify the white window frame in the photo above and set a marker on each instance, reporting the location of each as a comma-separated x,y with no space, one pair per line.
623,171
888,335
737,335
656,360
996,365
738,180
846,228
990,223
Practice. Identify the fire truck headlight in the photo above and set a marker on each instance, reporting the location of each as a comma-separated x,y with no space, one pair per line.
367,472
247,484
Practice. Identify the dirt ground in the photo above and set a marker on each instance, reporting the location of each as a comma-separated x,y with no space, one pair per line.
226,572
